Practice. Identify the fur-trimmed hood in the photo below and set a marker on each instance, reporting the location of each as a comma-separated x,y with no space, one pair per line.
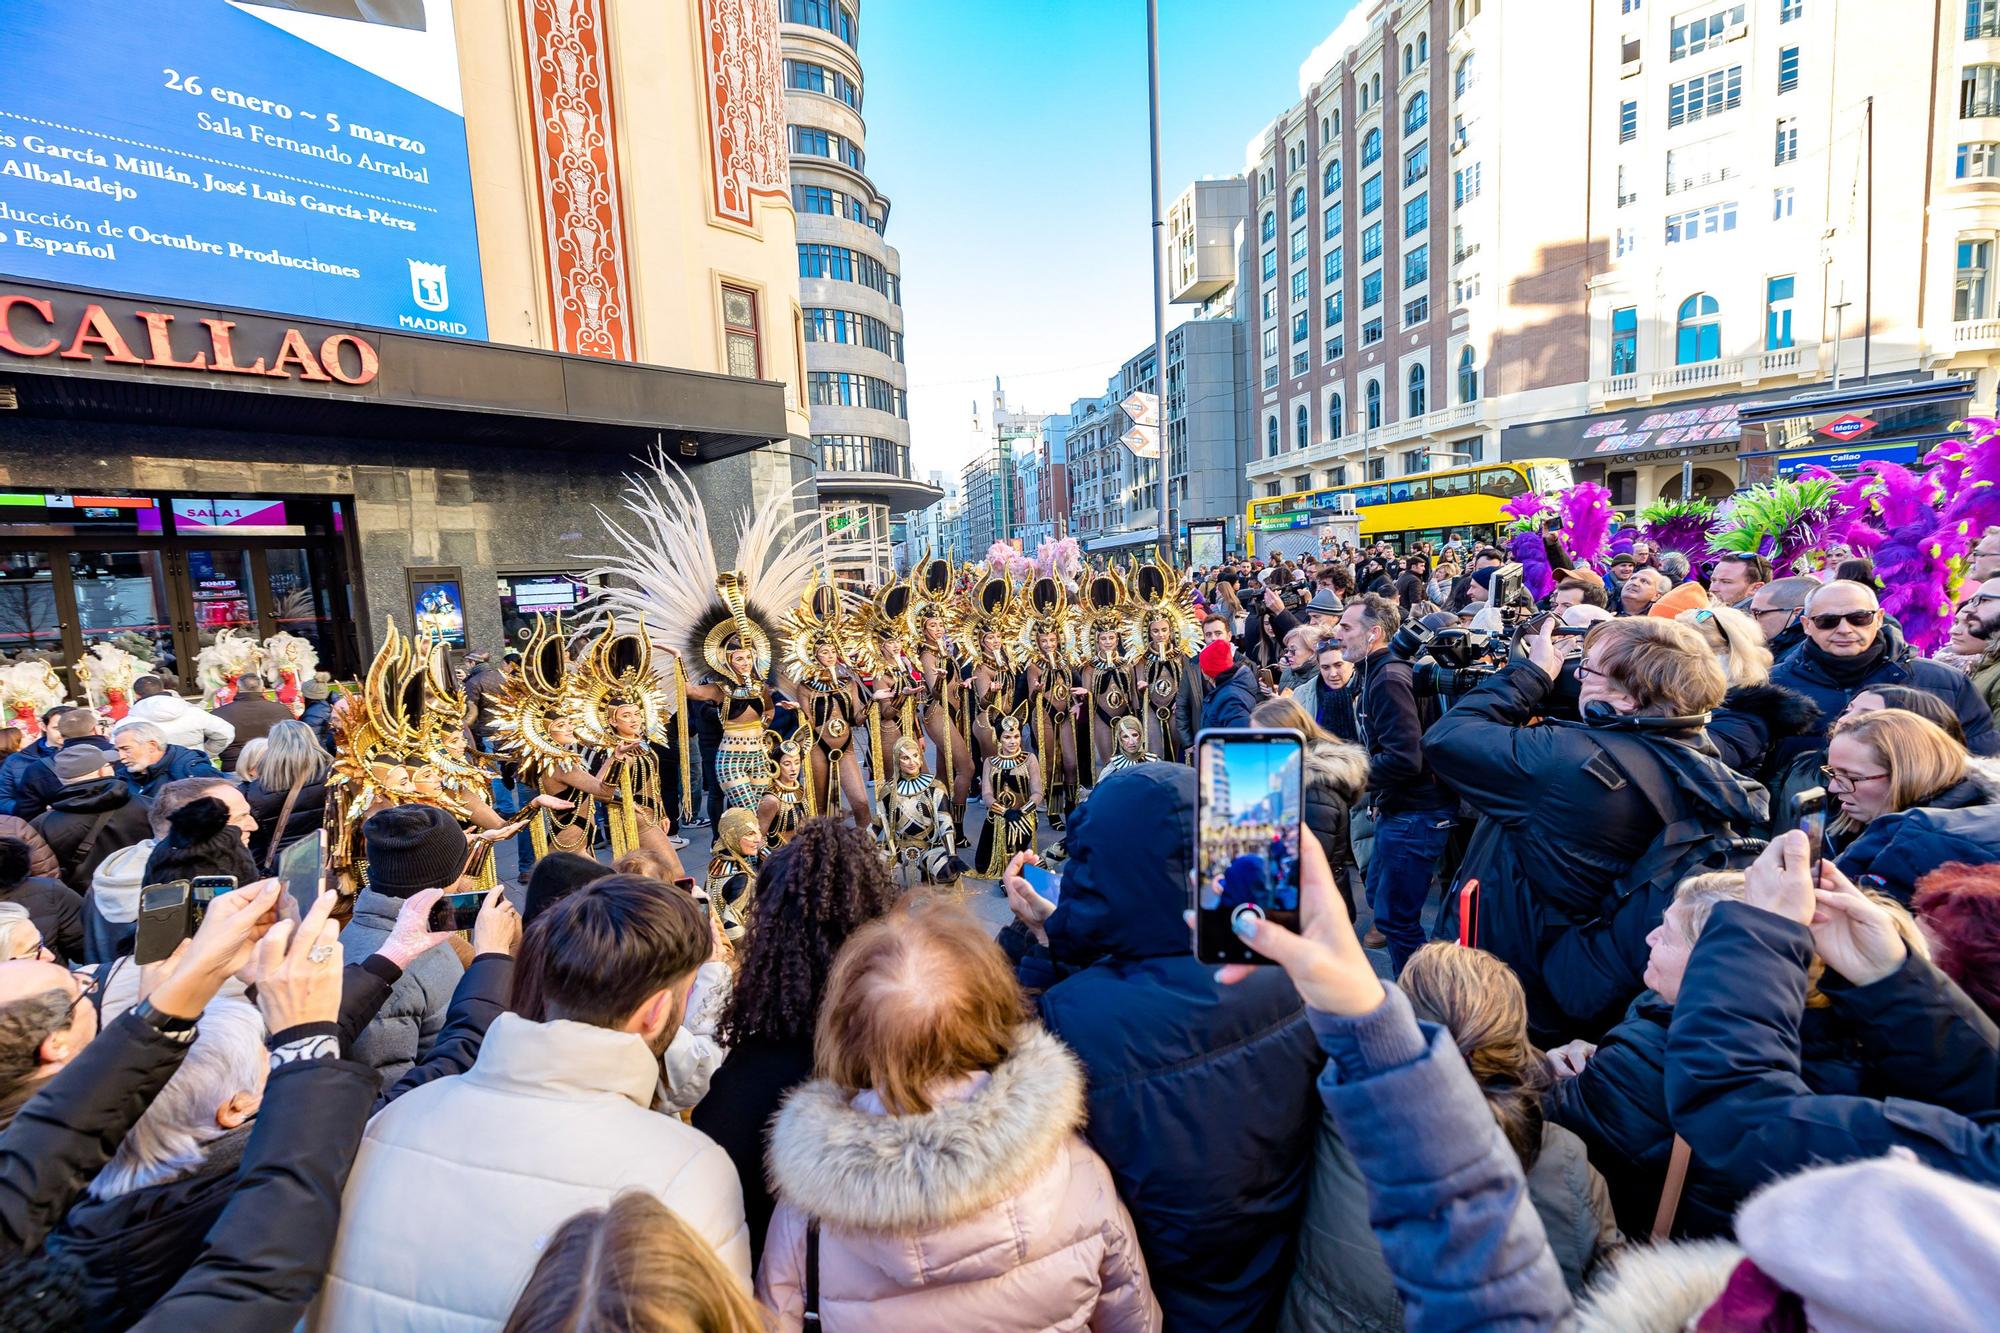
1784,712
1656,1288
1338,765
855,1170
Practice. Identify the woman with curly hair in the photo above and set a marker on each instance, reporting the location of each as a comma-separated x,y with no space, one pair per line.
811,894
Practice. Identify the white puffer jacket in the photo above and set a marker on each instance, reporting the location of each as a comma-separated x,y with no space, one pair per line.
184,723
460,1183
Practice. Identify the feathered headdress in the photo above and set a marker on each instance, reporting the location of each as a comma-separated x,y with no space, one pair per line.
1782,520
27,690
288,660
217,666
390,731
821,619
1048,612
107,674
1678,525
664,575
1586,514
1106,610
533,696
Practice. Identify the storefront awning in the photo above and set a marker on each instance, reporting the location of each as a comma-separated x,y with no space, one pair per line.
76,354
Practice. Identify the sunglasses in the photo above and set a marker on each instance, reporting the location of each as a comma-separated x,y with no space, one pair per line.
1832,619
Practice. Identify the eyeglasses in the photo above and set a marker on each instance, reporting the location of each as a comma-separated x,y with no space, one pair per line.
1788,612
1832,619
1584,671
1837,781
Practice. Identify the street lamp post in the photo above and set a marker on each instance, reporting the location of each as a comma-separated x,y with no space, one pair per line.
1169,529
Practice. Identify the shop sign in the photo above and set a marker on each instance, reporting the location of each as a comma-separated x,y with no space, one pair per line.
1664,430
33,327
1846,460
1848,427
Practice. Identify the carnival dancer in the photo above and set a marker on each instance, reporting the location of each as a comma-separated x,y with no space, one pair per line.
1053,695
1165,631
1129,736
830,697
666,572
896,683
732,870
1012,788
919,832
989,620
945,715
788,803
534,730
1107,671
623,714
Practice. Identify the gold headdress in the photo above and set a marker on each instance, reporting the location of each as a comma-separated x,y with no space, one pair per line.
819,620
1106,609
534,696
1159,591
884,617
1048,612
387,737
991,608
931,596
616,669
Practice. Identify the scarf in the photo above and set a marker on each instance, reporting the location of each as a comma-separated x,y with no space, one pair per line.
1848,672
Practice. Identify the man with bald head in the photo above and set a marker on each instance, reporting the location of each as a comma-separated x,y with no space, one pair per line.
1776,607
1850,648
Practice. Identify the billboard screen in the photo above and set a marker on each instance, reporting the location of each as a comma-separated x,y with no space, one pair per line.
300,156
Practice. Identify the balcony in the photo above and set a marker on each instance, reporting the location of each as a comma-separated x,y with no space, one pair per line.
1973,335
1790,363
1431,426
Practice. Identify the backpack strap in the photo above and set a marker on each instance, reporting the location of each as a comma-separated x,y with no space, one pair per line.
1670,1191
81,856
811,1318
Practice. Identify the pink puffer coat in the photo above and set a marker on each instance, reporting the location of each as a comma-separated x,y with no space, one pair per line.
988,1213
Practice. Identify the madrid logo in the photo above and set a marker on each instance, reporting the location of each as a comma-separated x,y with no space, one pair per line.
427,286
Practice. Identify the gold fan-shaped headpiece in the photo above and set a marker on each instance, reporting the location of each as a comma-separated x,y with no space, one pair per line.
535,696
616,669
1162,592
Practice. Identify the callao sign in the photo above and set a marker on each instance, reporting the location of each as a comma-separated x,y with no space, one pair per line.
33,327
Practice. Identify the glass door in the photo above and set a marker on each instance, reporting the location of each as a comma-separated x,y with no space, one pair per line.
120,593
29,619
295,577
222,593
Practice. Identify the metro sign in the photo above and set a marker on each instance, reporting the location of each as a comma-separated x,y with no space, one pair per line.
1849,427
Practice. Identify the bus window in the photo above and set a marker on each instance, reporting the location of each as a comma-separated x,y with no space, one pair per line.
1451,485
1420,488
1399,492
1370,495
1501,481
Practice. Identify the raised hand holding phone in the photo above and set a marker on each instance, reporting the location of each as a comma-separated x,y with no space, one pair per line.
1031,909
497,928
1323,958
298,969
230,930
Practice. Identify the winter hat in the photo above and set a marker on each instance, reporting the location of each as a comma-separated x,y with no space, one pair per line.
555,877
1484,577
1217,658
73,763
412,848
1686,597
200,841
314,689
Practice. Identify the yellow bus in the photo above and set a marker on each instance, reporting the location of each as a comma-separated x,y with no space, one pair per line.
1405,511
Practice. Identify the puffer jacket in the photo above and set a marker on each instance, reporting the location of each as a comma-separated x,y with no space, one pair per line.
41,861
66,826
1754,720
1168,1052
988,1212
178,762
1336,776
1804,672
1228,699
402,1033
15,768
551,1119
184,723
1961,823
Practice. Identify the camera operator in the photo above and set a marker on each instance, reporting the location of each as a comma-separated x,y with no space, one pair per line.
1268,619
1414,814
1587,826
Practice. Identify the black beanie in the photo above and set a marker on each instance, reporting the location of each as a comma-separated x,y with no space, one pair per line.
200,841
412,848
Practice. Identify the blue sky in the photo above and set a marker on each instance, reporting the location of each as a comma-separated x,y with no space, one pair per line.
1014,156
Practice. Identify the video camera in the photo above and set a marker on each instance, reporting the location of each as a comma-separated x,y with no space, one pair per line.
1450,662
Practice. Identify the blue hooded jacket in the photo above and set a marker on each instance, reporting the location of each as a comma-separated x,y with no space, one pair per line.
1201,1095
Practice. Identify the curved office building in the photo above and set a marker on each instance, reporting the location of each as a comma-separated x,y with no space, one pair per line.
850,293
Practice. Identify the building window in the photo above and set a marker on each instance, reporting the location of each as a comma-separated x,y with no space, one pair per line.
1331,181
1270,344
1300,327
1270,307
811,142
1417,266
1334,265
1298,244
1270,437
1789,10
1298,203
1334,222
1416,312
1299,292
1627,194
813,199
1371,332
1778,313
1788,141
845,326
1335,425
1465,184
1336,347
1417,113
843,264
1700,222
1270,227
1338,476
1698,334
840,388
1975,267
1270,266
1371,242
1371,194
1784,200
1788,68
1423,47
744,354
1705,95
1373,399
1468,377
1627,241
1698,34
1979,91
1982,18
1463,79
1625,340
1417,163
1417,394
825,15
1628,121
1270,377
1978,161
1334,309
1416,461
1301,427
1416,214
1371,148
1371,289
1272,488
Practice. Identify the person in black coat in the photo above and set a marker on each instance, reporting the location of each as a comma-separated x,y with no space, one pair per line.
147,762
40,784
811,894
1229,687
1733,1087
56,909
292,757
1754,720
1568,809
1201,1095
1841,659
94,815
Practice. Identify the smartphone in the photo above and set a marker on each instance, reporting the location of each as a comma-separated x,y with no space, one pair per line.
1044,882
301,867
1811,807
1248,819
164,921
457,911
203,890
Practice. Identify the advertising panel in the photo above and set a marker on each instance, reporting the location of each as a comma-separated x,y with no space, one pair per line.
300,156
